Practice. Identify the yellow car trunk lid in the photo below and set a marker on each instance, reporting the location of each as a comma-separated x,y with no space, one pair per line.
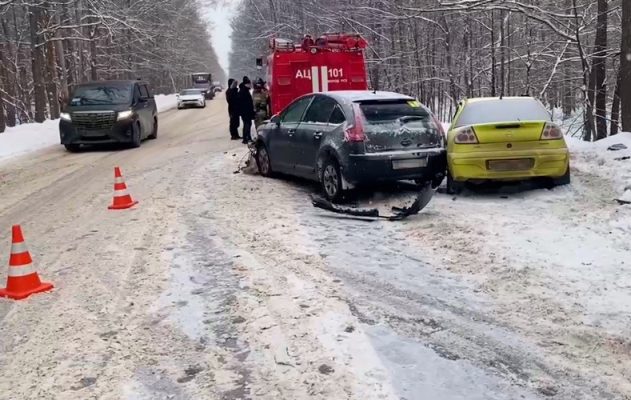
505,132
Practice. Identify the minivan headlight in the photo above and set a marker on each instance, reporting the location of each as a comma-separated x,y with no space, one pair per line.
65,116
125,114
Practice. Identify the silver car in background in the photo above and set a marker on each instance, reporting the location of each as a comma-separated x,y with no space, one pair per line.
191,98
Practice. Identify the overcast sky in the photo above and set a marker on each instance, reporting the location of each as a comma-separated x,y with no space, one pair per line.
219,19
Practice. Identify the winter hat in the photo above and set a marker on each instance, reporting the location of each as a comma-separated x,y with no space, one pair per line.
246,80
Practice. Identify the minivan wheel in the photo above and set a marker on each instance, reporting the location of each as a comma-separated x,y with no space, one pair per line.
331,180
136,137
263,161
154,132
73,148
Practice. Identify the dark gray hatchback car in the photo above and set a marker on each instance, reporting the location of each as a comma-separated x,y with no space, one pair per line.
345,139
109,112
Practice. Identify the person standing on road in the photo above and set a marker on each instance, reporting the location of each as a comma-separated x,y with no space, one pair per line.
260,96
232,97
246,108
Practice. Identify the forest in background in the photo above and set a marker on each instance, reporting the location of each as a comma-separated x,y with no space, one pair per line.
47,46
567,53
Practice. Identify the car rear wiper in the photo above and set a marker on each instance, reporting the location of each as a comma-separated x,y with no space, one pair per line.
410,118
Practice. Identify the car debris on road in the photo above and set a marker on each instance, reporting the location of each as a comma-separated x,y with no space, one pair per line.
423,198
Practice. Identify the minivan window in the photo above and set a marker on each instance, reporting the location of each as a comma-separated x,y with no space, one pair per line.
144,93
100,95
502,110
320,110
390,111
296,110
137,94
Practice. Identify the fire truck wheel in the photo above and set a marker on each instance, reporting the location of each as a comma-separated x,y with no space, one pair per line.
331,180
263,161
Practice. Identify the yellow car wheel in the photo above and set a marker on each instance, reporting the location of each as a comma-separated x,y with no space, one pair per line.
454,187
563,180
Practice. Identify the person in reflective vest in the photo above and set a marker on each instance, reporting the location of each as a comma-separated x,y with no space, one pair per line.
261,99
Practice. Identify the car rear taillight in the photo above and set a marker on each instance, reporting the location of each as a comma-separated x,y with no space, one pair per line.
551,132
355,132
465,135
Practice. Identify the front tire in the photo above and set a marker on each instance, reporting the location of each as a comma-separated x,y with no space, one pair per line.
72,148
263,161
331,180
136,136
154,132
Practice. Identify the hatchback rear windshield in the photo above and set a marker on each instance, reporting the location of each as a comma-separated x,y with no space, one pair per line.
502,110
391,111
101,95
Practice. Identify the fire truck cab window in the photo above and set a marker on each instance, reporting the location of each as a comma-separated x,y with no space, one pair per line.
320,110
296,110
337,116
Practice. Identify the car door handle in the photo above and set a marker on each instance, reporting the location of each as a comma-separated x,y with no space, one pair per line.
317,135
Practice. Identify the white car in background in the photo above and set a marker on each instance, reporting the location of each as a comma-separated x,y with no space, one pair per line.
191,98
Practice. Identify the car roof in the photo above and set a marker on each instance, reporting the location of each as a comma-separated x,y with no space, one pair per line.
365,95
484,99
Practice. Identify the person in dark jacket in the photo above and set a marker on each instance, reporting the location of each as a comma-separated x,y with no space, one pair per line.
232,97
246,108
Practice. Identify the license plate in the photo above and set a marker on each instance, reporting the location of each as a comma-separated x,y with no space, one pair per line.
409,164
521,164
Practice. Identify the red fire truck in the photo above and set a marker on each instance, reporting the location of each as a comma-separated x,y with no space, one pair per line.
333,61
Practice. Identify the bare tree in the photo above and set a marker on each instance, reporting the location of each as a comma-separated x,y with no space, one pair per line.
441,51
625,67
46,46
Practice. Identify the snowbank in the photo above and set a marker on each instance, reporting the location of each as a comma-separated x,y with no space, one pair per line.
28,137
594,158
25,138
166,101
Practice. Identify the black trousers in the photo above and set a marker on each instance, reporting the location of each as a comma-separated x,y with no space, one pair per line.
234,126
247,129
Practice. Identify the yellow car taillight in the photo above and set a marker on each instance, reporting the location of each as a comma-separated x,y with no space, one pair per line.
465,135
551,132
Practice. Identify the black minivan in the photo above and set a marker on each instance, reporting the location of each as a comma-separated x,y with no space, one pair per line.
104,112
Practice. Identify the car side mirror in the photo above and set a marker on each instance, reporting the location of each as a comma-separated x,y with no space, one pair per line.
275,120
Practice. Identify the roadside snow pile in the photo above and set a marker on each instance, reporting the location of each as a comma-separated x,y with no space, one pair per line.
595,158
25,138
166,102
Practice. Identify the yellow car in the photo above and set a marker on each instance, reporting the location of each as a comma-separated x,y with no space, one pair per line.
509,139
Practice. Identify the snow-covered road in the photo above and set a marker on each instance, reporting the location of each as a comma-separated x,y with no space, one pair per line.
231,286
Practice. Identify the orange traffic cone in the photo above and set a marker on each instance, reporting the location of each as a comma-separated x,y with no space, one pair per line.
23,280
122,199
